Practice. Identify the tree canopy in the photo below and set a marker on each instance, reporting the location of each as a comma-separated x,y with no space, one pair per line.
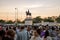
37,19
58,19
49,19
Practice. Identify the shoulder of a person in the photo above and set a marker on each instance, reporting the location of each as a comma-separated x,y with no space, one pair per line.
32,37
39,38
44,31
49,37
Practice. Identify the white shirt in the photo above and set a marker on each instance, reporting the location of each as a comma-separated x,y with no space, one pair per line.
49,38
37,38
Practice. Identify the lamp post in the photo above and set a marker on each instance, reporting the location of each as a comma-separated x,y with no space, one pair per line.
16,16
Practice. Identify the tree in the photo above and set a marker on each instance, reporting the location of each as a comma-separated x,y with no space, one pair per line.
49,19
9,22
58,19
38,19
23,21
18,21
2,21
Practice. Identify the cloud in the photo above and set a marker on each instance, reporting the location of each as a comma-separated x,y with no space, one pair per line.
33,6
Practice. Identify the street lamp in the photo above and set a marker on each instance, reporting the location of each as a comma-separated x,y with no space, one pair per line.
16,16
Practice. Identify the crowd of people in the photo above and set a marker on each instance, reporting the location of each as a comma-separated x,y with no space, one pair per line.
30,33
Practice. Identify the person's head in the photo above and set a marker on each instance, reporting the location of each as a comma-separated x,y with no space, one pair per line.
36,32
57,31
9,27
21,28
28,28
11,33
53,28
47,28
44,27
6,28
14,28
34,27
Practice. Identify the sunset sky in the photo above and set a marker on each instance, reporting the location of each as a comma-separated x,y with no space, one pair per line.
43,8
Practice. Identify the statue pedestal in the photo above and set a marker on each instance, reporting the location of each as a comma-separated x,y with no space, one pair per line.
28,21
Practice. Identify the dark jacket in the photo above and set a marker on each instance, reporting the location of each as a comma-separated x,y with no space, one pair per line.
7,38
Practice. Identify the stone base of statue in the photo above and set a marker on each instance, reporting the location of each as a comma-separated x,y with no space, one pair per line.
28,21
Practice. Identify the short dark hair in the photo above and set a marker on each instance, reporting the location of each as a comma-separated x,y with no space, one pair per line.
53,28
38,31
22,27
14,28
11,33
